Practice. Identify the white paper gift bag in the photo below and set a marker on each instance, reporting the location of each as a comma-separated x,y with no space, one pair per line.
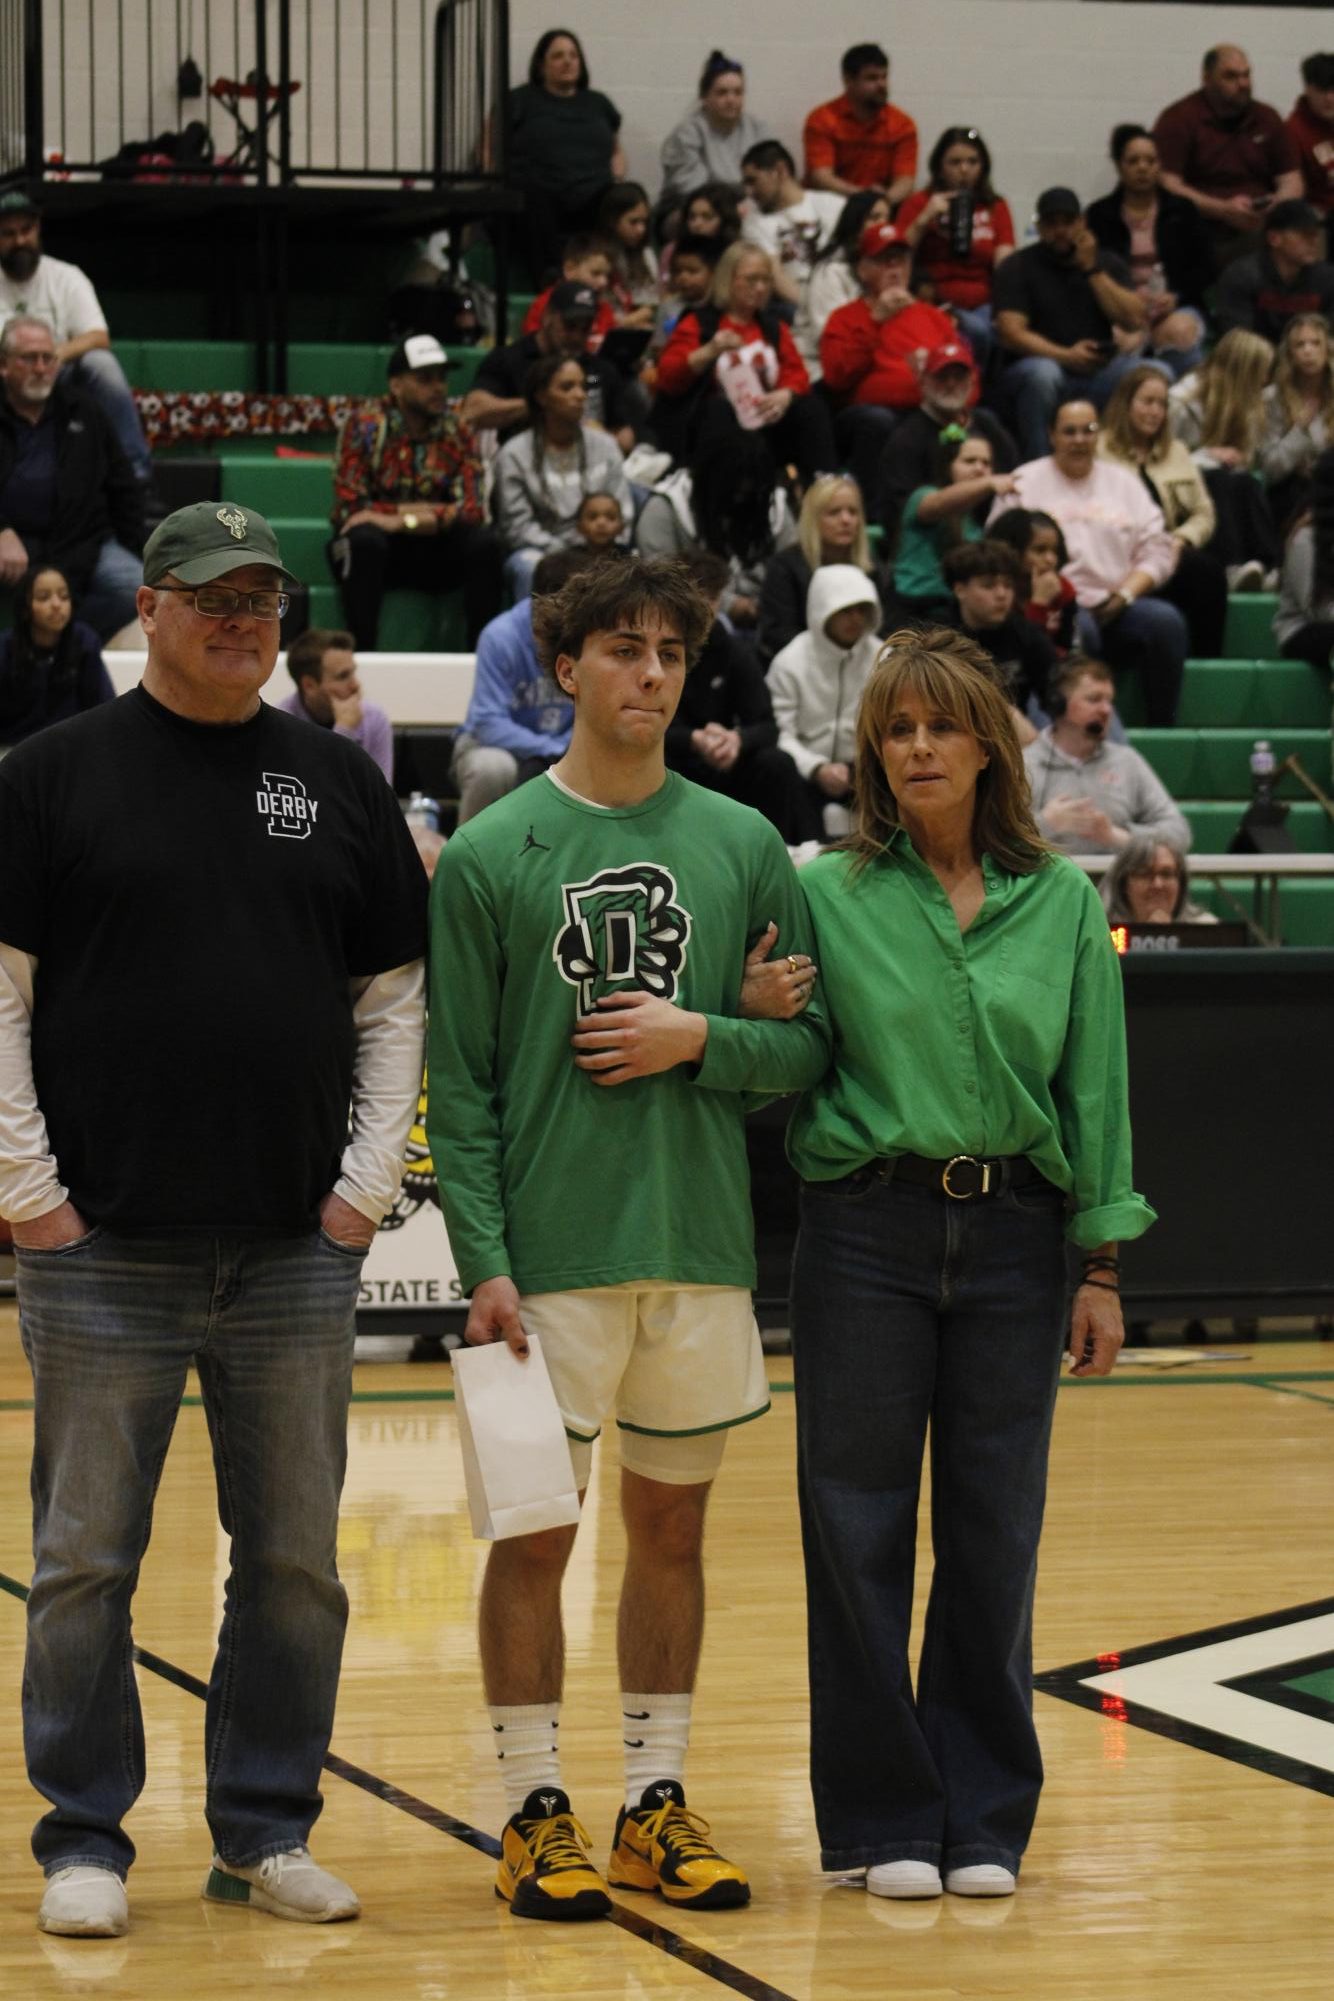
516,1457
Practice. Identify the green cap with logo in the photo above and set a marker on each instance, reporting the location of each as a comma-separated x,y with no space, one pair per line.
204,541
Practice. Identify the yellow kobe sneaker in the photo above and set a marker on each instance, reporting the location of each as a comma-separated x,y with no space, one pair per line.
660,1845
544,1867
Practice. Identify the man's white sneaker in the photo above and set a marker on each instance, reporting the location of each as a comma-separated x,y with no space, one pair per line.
903,1879
290,1885
981,1879
83,1902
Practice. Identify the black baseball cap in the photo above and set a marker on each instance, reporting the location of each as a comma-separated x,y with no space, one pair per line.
1295,214
202,542
17,201
573,302
1058,201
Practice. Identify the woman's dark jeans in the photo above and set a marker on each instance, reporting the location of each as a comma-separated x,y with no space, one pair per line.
909,1307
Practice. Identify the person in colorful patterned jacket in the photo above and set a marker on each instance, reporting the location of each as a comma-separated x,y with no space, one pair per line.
408,507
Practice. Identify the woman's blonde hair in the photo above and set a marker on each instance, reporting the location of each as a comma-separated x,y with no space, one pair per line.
1118,440
1230,384
1285,375
951,676
819,495
735,253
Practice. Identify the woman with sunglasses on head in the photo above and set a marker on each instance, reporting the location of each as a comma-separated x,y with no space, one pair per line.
961,231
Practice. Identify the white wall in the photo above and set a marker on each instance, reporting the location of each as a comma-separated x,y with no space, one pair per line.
1043,80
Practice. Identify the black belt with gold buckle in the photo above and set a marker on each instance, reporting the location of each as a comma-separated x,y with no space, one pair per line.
965,1177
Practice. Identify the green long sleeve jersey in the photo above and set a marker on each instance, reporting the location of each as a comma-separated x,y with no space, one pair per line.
540,905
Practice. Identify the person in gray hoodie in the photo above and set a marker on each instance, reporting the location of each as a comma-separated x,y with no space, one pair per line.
816,684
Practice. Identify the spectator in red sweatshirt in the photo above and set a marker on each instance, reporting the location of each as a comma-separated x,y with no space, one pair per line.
733,364
873,350
1311,123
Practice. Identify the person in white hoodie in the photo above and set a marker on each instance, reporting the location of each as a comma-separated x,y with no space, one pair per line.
816,682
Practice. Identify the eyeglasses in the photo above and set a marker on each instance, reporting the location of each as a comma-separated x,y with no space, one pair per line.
1155,875
1078,431
44,359
220,600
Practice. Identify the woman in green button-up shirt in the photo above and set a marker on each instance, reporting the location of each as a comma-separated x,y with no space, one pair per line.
973,1121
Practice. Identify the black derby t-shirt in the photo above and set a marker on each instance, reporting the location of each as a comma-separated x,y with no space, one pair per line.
198,898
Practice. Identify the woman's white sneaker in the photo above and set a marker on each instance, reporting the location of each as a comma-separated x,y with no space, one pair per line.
83,1902
290,1885
903,1879
981,1879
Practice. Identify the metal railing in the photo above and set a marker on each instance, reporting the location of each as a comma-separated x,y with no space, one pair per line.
277,92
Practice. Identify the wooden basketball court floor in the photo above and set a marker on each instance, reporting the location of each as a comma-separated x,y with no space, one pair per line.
1185,1841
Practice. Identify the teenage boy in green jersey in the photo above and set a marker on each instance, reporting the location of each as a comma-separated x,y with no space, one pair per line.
589,1076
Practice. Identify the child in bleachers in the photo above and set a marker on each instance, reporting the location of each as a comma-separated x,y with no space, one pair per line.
585,260
623,219
940,516
51,665
600,521
1048,597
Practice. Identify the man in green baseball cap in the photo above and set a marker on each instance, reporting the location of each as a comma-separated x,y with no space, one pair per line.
210,603
222,1058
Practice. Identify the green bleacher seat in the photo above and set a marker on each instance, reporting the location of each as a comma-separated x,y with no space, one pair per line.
189,364
1250,625
1239,694
279,486
1213,822
302,540
422,622
1308,913
1215,763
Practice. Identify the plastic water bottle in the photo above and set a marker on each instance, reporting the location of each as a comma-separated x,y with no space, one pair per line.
423,811
1262,772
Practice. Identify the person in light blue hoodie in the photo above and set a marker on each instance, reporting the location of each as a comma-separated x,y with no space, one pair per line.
518,721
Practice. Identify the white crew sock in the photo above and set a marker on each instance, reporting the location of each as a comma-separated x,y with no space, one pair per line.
527,1739
656,1730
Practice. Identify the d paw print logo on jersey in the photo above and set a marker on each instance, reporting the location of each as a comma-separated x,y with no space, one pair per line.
624,928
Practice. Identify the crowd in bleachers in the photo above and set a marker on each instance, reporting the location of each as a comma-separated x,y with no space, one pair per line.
1082,440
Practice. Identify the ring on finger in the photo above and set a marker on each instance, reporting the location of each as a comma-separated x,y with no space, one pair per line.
792,965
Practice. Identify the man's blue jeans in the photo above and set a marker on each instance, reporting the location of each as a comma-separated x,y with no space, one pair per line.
909,1308
102,376
110,1325
1038,386
1149,638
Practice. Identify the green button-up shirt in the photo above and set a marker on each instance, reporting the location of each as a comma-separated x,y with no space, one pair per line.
1007,1038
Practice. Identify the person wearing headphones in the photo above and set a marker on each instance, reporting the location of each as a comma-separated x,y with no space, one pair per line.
1091,795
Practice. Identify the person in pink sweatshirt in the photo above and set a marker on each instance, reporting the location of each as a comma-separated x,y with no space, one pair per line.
1120,553
873,351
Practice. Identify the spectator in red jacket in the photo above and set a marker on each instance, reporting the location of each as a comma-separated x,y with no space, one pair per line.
1311,125
872,352
733,364
408,507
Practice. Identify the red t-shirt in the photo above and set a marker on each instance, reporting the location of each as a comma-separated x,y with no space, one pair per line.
869,361
960,281
869,155
674,373
1056,619
1222,157
1314,140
